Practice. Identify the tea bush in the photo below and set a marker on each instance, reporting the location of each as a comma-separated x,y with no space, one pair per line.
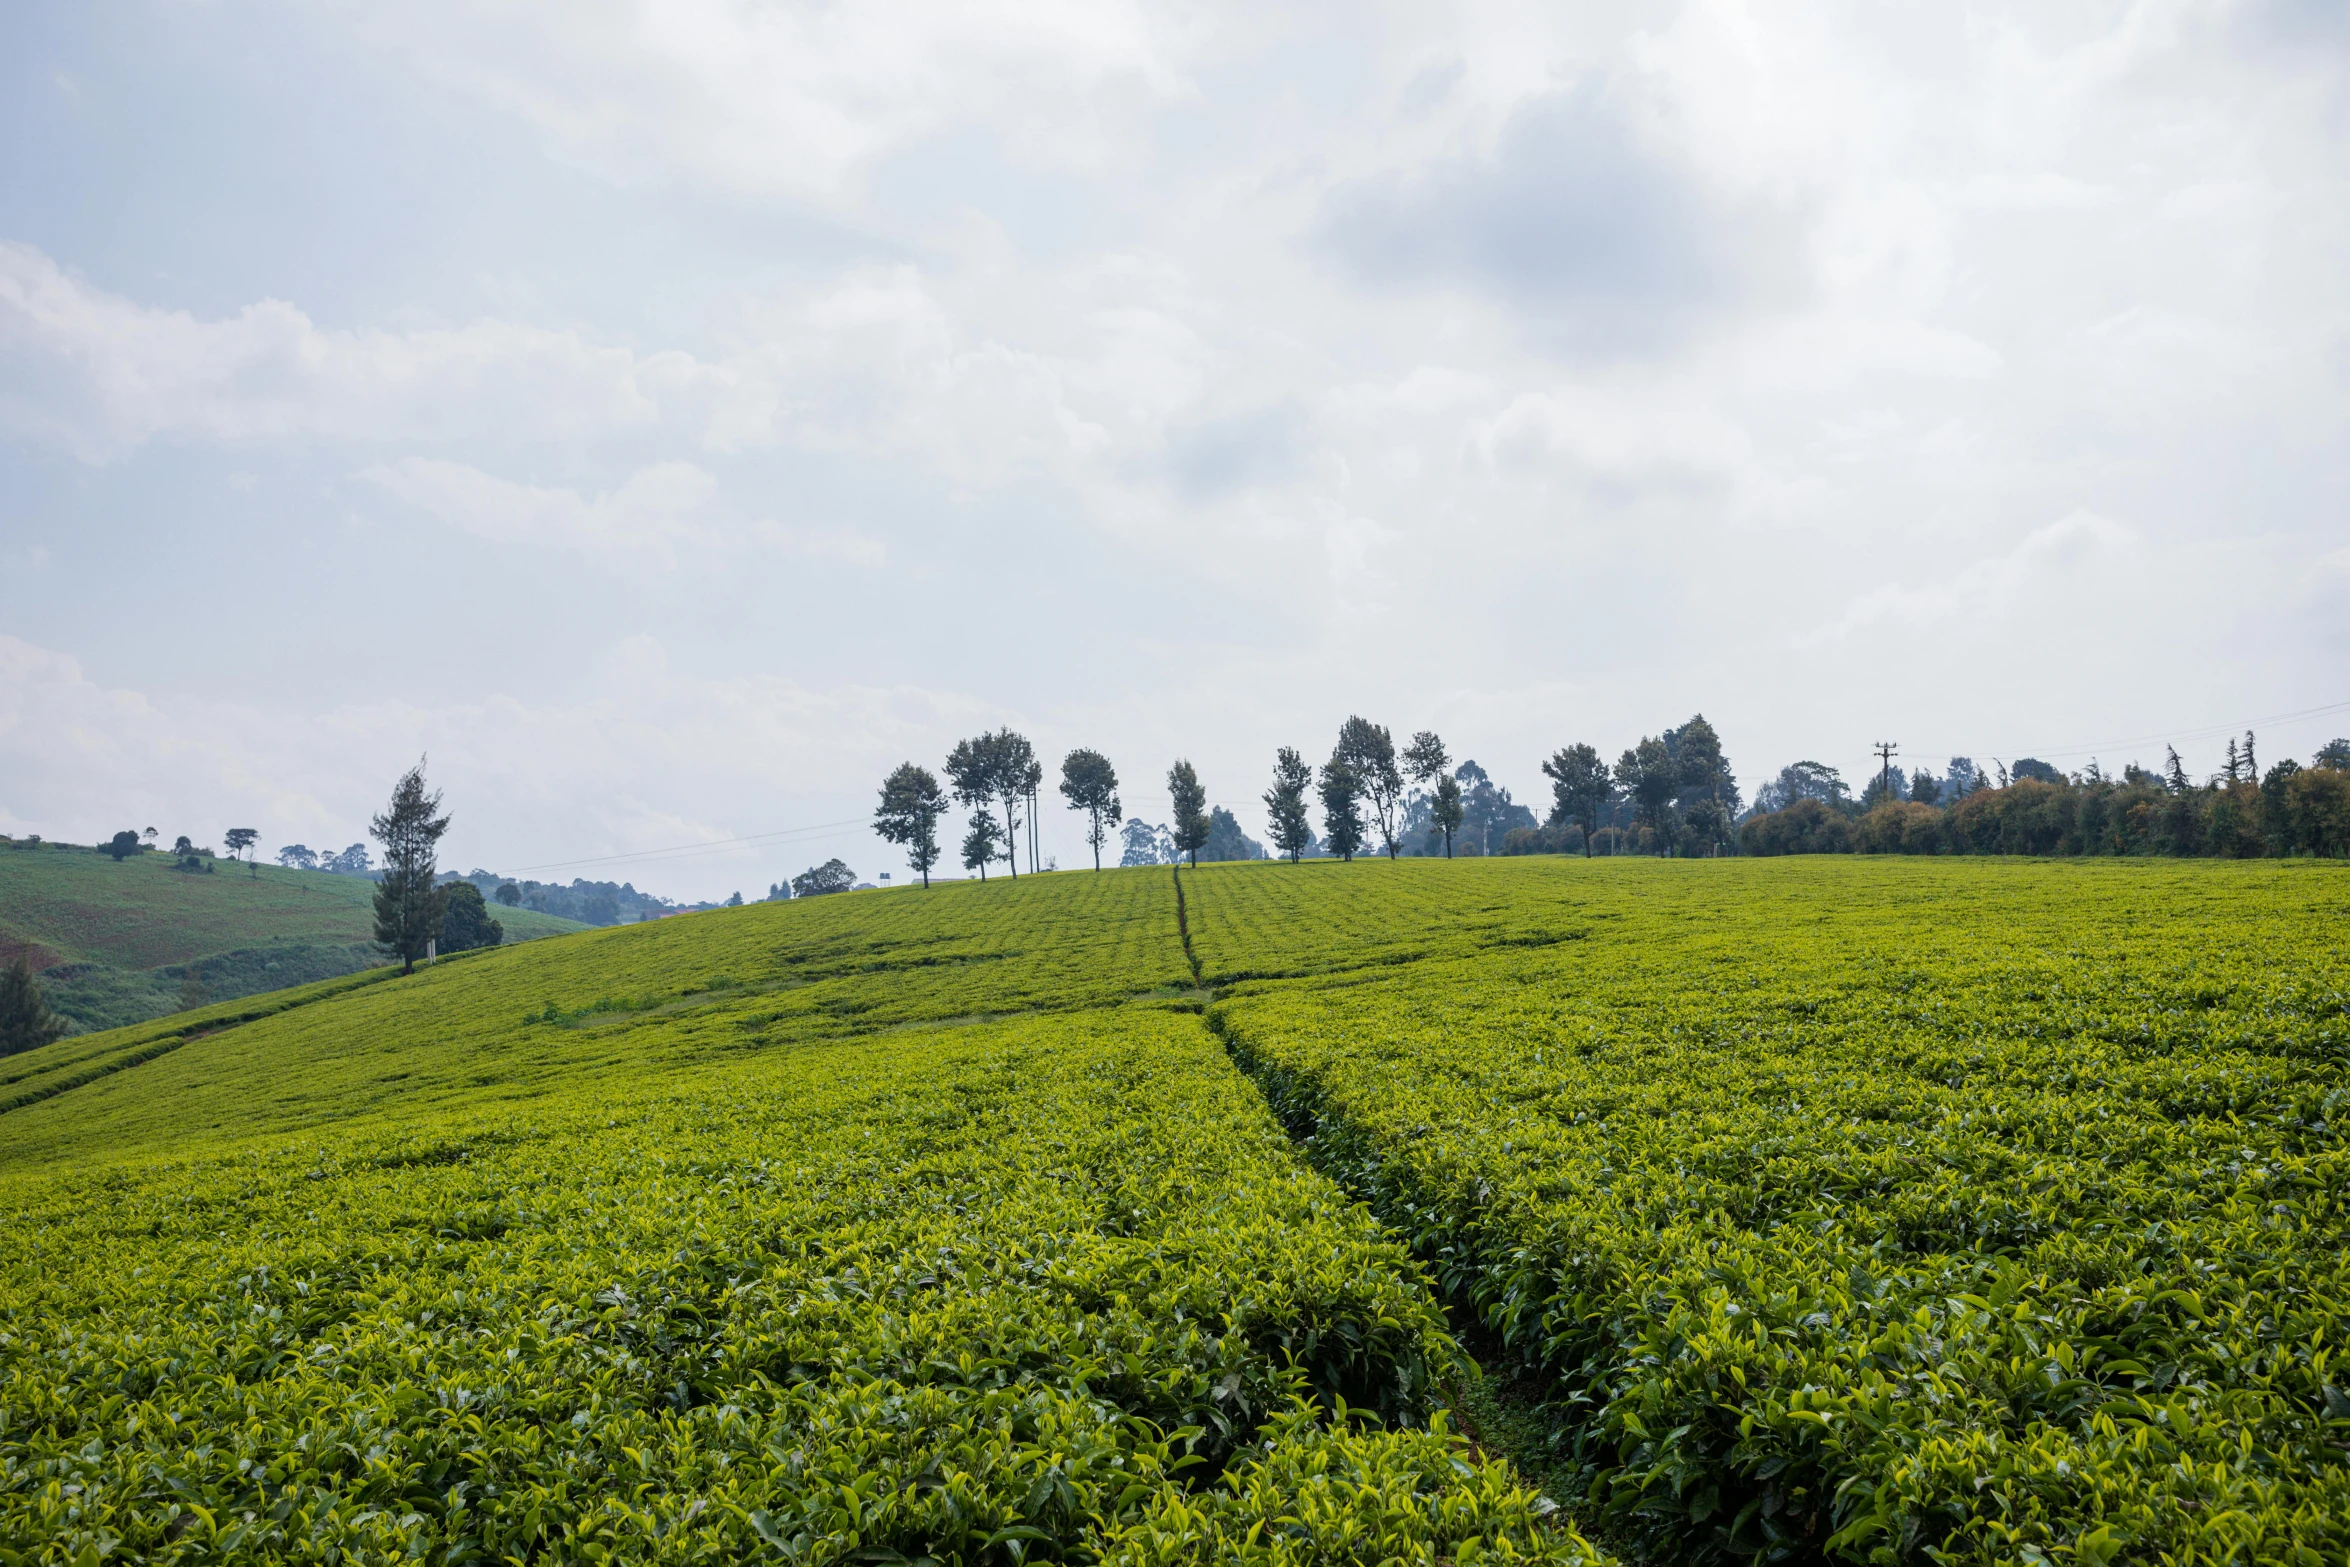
1972,1212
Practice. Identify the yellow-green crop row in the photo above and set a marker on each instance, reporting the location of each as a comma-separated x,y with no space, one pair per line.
1043,1289
1970,1212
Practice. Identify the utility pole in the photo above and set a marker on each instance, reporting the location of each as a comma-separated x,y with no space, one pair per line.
1886,750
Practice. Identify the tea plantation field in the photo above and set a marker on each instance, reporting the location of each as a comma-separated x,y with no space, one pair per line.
1799,1210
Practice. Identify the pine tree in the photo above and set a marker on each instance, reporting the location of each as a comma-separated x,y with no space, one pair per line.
26,1023
408,906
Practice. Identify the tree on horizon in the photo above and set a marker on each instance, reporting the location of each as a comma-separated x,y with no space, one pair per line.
1368,751
1342,810
1090,784
1190,798
1431,767
409,906
1285,804
911,805
982,843
997,769
1580,788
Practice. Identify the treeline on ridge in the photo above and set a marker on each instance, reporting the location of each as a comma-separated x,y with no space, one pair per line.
2237,813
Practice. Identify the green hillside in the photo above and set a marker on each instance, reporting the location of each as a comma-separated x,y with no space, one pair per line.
1787,1210
125,941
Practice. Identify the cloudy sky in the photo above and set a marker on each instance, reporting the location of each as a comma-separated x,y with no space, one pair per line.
669,417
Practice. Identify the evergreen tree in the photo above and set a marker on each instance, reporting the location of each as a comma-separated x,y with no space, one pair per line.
1190,799
1090,784
1342,808
26,1023
1368,751
466,922
984,842
911,805
1923,789
408,904
1285,804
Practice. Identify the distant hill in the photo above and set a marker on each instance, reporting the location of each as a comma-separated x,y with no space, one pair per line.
120,943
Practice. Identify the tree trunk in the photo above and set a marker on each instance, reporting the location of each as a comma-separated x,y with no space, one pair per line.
1012,840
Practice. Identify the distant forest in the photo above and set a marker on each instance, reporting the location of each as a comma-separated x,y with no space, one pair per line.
2240,812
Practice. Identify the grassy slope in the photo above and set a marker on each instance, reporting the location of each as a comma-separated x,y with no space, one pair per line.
778,999
886,1221
1988,1205
126,935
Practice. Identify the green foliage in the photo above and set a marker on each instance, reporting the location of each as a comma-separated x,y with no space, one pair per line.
1226,840
114,943
465,920
2293,811
1001,768
911,805
833,875
1090,784
575,1258
1581,789
1963,1210
122,845
1832,1226
26,1023
984,842
1342,808
1367,752
409,901
1189,800
1285,804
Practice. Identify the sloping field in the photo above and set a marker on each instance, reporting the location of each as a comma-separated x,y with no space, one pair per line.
877,1227
1988,1210
119,941
1980,1211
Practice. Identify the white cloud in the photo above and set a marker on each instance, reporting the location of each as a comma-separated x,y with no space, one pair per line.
655,758
803,98
2063,561
102,374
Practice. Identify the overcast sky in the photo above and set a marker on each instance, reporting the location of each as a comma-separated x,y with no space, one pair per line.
670,417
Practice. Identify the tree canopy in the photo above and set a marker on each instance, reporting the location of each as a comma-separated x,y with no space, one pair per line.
1368,752
908,815
408,902
1189,800
833,875
1090,784
26,1023
1285,804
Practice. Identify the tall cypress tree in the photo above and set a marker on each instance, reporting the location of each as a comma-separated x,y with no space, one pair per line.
1285,803
1190,799
25,1019
408,906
